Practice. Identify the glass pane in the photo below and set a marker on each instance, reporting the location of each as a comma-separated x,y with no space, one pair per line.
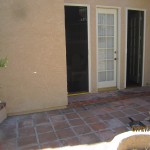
102,19
110,75
110,64
110,19
101,31
101,42
110,31
110,42
101,76
110,54
102,54
102,65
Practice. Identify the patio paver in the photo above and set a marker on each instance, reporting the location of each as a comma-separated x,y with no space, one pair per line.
89,138
70,141
82,129
44,128
106,135
85,124
65,133
24,141
47,137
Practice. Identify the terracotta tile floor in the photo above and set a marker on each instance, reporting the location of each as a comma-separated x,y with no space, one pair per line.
87,124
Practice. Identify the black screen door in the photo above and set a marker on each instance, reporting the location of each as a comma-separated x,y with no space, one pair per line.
135,47
76,48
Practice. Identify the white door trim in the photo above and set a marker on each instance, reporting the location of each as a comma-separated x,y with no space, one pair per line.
89,40
118,42
144,34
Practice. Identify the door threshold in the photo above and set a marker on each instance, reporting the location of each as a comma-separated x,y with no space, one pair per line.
76,94
130,87
108,89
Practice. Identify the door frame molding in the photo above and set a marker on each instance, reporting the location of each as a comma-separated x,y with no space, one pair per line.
126,43
89,41
118,83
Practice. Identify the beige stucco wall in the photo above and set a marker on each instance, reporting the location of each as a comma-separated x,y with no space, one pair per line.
122,5
32,36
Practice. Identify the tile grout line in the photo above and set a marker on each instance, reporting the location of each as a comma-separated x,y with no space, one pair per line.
70,126
36,134
51,123
92,131
17,134
59,139
108,128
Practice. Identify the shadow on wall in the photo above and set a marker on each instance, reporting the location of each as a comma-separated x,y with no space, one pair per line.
19,10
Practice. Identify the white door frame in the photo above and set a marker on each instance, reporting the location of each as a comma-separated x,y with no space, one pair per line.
144,34
118,42
89,40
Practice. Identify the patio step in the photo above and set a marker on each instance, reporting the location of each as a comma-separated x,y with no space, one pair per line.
102,100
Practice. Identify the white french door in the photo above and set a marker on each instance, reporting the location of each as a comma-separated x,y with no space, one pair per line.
106,47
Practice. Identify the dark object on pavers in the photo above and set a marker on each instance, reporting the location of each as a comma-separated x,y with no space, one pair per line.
134,123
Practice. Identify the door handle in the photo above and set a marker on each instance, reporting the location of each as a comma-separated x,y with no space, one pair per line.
115,58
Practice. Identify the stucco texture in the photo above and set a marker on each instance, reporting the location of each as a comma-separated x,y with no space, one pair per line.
32,36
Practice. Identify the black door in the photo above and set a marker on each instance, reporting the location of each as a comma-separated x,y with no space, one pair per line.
76,48
135,47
